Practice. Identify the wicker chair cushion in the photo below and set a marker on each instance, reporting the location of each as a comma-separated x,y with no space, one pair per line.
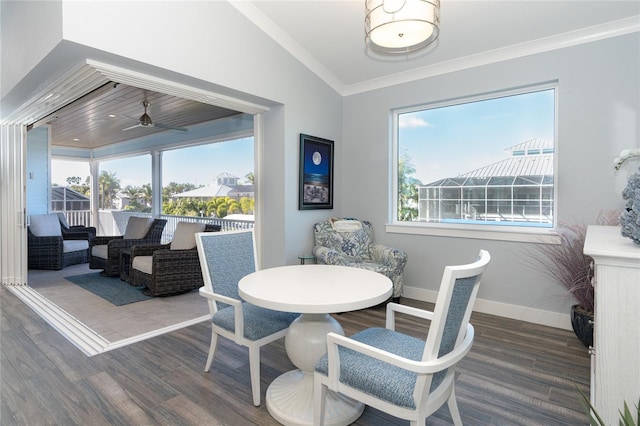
137,227
63,219
184,237
143,264
45,225
74,245
101,251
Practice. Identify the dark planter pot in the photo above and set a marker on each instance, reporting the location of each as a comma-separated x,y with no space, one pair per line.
582,322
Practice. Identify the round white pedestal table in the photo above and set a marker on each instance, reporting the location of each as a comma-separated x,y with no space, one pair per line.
315,291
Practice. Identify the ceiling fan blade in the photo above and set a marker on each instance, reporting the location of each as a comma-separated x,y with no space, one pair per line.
131,127
145,121
166,126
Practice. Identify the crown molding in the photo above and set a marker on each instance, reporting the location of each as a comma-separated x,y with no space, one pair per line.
559,41
546,44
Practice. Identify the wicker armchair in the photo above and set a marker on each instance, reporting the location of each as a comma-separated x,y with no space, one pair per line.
105,250
50,247
166,271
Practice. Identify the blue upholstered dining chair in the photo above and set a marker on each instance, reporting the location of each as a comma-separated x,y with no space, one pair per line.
225,258
399,374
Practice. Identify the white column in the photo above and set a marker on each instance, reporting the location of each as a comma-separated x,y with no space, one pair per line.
94,179
156,183
13,244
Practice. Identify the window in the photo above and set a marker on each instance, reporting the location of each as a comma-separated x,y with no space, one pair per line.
485,161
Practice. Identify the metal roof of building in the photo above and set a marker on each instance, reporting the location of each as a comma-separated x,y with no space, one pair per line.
206,192
526,165
60,193
531,162
536,143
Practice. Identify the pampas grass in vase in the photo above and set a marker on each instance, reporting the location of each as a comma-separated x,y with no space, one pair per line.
567,265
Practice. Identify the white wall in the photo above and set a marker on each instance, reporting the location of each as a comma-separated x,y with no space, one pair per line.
21,47
599,98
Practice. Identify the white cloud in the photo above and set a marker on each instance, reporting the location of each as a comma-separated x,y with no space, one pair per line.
412,121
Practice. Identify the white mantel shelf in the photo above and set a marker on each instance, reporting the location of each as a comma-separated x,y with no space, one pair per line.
610,247
615,362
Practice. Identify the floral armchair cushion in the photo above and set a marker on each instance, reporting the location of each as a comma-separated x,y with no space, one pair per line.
349,242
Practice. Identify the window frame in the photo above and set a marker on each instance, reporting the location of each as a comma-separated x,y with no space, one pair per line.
475,231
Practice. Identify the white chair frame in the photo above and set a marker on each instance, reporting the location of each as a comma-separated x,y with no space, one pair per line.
238,335
426,403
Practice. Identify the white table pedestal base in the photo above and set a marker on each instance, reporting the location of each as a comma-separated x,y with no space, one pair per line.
290,401
314,291
290,396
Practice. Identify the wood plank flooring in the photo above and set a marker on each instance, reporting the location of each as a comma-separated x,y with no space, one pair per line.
517,373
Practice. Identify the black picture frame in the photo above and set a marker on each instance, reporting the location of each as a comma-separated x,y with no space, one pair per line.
316,173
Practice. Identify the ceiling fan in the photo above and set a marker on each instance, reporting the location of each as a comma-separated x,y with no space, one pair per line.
145,121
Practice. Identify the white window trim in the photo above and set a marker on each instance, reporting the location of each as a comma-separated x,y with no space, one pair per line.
480,231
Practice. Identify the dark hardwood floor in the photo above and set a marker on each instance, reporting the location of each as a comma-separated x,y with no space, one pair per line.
517,373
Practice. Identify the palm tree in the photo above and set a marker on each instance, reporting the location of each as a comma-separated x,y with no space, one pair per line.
246,204
407,190
146,194
133,193
109,187
75,183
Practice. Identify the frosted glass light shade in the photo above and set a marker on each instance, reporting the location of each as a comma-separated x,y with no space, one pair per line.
400,26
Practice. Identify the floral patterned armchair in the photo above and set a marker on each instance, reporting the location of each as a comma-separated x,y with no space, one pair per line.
349,242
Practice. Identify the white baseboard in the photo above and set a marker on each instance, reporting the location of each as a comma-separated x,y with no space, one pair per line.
522,313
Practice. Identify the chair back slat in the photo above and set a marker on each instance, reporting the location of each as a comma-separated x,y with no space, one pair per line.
225,258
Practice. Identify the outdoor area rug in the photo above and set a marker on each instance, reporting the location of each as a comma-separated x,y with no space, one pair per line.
112,289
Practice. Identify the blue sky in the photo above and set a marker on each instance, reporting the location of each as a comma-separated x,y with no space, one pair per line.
198,165
448,141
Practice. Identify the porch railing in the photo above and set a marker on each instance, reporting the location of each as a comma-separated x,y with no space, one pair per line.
225,224
114,222
78,217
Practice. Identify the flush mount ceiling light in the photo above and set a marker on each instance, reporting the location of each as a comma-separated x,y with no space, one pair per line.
401,26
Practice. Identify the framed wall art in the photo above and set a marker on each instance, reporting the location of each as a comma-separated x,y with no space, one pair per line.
316,173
